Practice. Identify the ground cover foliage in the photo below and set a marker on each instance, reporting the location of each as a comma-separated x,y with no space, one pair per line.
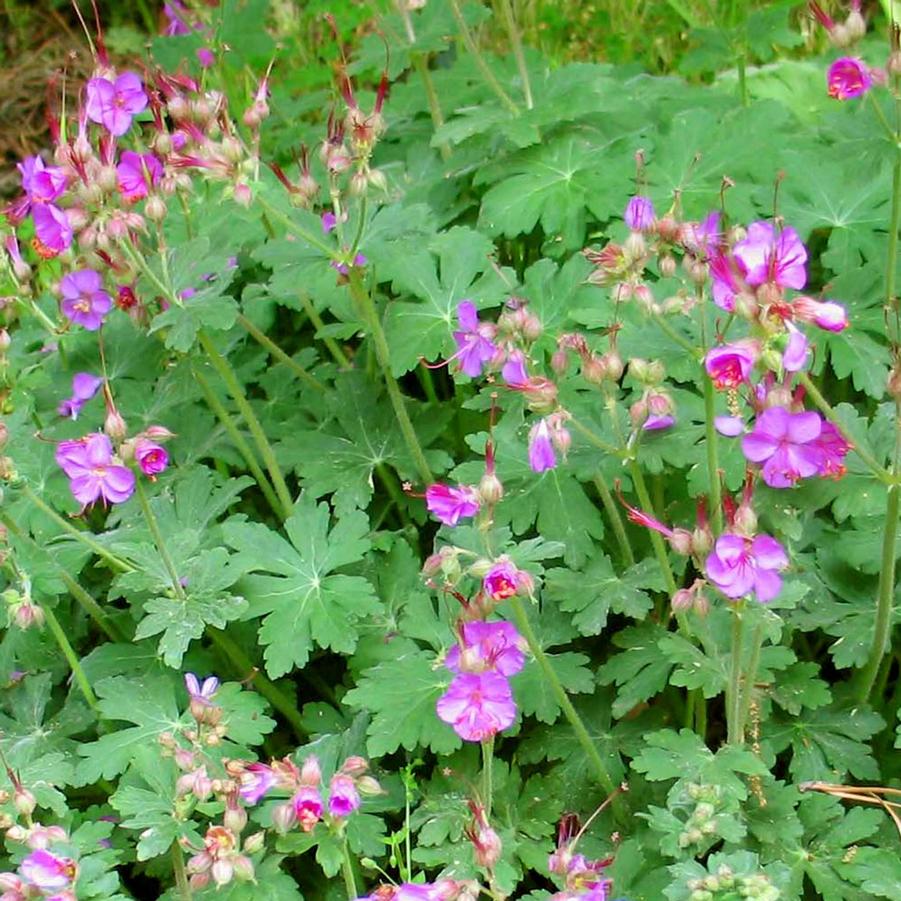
458,474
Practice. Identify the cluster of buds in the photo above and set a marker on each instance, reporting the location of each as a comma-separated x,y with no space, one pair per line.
654,409
841,34
21,609
701,823
724,885
307,804
596,368
442,890
582,878
222,859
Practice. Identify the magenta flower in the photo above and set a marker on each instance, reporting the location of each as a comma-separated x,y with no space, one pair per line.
504,580
832,448
783,443
256,780
342,267
848,78
174,11
725,284
307,805
514,371
92,473
477,705
639,214
137,173
201,693
329,221
84,301
84,387
730,365
343,798
797,350
828,315
205,57
41,183
112,104
704,238
47,871
541,447
656,423
450,505
151,457
474,345
488,647
740,566
729,426
52,228
766,256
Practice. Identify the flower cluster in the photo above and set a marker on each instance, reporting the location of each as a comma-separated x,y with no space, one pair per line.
582,878
442,890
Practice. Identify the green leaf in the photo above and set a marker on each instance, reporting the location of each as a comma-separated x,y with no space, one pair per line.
640,671
401,695
301,598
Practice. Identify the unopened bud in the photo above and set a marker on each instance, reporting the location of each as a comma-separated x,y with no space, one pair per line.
635,247
222,871
613,363
5,340
668,229
377,180
284,817
667,265
559,361
593,370
255,842
359,184
243,867
745,305
682,600
491,490
155,208
242,194
4,435
893,386
745,521
367,785
114,426
531,327
24,801
855,25
680,542
355,766
234,818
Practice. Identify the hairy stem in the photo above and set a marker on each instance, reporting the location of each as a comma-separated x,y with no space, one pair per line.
479,60
347,870
366,305
488,775
334,348
241,445
71,657
713,466
641,489
569,711
422,68
734,732
516,44
159,541
616,521
265,341
250,674
235,388
750,678
178,869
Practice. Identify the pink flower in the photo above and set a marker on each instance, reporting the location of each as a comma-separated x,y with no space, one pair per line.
769,257
828,315
725,283
205,57
256,780
52,229
343,798
42,183
92,474
84,387
174,11
474,345
740,566
730,365
84,301
488,647
136,173
541,447
504,580
848,78
477,705
729,426
201,693
45,870
797,350
151,458
832,449
639,214
112,104
307,805
703,238
514,370
783,443
450,505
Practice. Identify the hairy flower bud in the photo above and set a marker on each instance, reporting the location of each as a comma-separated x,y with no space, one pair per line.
255,842
594,371
114,426
490,489
667,265
24,801
155,208
559,361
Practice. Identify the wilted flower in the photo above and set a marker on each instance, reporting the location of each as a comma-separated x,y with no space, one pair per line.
112,104
847,78
740,566
84,301
451,504
255,781
477,705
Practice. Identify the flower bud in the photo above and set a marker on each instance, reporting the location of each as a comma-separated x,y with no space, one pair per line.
635,247
745,520
284,817
855,26
155,208
667,265
893,386
355,766
310,774
487,847
255,842
593,370
359,184
114,426
234,818
682,600
531,328
5,340
668,229
222,871
243,867
377,180
680,542
24,801
491,490
242,194
4,435
559,361
745,305
367,785
613,363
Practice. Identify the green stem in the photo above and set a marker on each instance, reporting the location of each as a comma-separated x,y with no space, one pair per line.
488,775
742,65
597,442
616,521
71,658
641,489
347,869
364,301
85,538
422,67
518,55
483,67
182,884
159,541
243,448
295,229
88,604
265,341
570,712
735,736
891,302
389,480
227,374
249,673
826,409
334,348
750,678
671,333
713,466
